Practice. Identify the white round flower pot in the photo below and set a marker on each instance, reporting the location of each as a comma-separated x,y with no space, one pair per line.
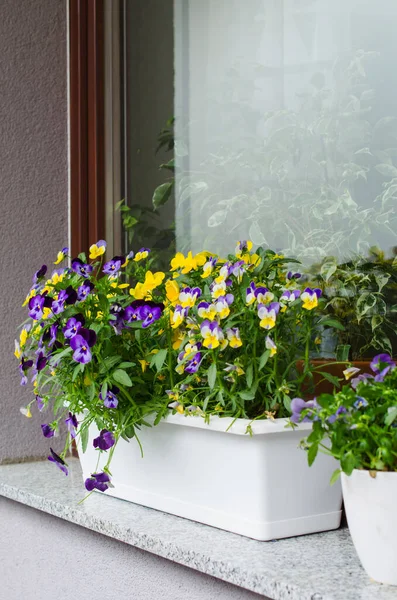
259,486
371,512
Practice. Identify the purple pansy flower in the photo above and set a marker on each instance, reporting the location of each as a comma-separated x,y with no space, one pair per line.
58,305
150,312
290,296
104,441
48,430
132,312
84,290
112,267
71,295
73,326
60,463
41,361
24,365
97,481
297,406
81,268
118,324
291,275
40,273
360,402
193,365
36,306
362,378
81,344
381,365
71,424
40,403
110,400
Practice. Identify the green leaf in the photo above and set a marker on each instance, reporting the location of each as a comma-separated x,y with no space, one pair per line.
56,357
247,395
332,323
122,377
91,392
76,372
130,432
84,438
162,194
331,378
263,359
342,352
126,365
108,363
219,398
312,453
391,416
104,389
170,165
348,463
158,359
211,374
249,375
335,476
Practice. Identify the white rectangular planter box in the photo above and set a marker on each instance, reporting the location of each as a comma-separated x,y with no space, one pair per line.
259,486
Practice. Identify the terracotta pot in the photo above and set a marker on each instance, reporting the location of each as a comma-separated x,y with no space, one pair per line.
318,385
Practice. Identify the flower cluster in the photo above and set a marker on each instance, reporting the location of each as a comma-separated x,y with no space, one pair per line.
357,425
112,341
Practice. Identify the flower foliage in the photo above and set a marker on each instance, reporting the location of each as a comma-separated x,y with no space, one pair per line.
357,425
113,342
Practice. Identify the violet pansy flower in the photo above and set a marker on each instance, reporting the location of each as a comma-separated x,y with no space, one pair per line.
132,312
40,403
41,361
40,274
73,326
81,344
71,424
297,406
48,430
84,290
36,306
97,481
150,312
81,268
112,267
58,461
193,365
110,400
104,441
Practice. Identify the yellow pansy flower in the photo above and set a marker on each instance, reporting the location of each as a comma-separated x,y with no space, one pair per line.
29,296
141,254
23,336
144,364
96,250
172,291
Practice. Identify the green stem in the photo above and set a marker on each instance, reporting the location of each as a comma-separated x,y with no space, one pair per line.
170,369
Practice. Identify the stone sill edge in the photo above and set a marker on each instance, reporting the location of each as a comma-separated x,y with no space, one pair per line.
271,588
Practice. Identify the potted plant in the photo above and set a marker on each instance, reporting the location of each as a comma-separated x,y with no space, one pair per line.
358,427
360,299
197,367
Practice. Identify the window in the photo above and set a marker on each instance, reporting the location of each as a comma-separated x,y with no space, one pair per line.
285,124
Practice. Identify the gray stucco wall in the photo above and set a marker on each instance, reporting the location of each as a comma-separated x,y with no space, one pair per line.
42,557
33,185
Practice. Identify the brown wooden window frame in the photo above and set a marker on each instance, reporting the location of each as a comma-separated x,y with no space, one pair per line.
87,150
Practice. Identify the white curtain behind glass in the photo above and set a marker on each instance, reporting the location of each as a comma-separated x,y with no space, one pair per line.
286,125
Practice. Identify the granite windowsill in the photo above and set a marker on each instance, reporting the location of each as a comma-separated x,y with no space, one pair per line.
315,567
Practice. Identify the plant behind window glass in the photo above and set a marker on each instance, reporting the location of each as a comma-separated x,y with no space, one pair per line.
315,181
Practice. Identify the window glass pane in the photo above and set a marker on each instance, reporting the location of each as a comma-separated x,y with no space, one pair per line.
285,123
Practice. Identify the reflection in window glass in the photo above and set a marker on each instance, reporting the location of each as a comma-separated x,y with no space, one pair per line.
286,125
